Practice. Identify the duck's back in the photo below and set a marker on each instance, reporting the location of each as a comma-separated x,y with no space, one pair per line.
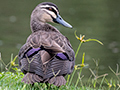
45,55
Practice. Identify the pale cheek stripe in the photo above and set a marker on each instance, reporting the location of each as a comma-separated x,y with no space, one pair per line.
51,13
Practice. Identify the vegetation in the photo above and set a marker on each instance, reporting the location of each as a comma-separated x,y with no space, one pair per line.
12,80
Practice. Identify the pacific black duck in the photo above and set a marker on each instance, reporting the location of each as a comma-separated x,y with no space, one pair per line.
47,56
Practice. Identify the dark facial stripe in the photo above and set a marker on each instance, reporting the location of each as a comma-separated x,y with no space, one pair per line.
52,10
50,4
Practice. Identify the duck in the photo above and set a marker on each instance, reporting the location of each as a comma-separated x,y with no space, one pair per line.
47,55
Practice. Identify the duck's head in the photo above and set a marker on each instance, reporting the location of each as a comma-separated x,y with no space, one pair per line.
48,12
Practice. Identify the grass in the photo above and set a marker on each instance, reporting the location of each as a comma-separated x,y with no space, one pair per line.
12,80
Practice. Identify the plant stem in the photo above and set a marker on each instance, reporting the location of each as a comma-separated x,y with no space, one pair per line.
78,77
102,81
10,63
81,68
75,57
72,77
68,79
78,49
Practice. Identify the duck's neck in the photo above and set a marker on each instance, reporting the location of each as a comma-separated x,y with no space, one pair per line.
37,25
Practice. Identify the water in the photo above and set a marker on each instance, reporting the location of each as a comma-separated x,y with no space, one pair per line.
99,19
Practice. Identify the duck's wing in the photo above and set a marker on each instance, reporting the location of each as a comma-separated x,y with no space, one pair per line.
47,40
46,54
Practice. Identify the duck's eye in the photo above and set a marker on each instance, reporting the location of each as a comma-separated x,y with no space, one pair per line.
50,8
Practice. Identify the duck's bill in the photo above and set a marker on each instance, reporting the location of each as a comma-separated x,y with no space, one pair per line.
62,22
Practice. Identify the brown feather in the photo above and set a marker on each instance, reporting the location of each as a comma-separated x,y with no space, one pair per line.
43,65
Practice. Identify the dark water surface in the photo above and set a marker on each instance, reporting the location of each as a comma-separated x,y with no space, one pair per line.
99,19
